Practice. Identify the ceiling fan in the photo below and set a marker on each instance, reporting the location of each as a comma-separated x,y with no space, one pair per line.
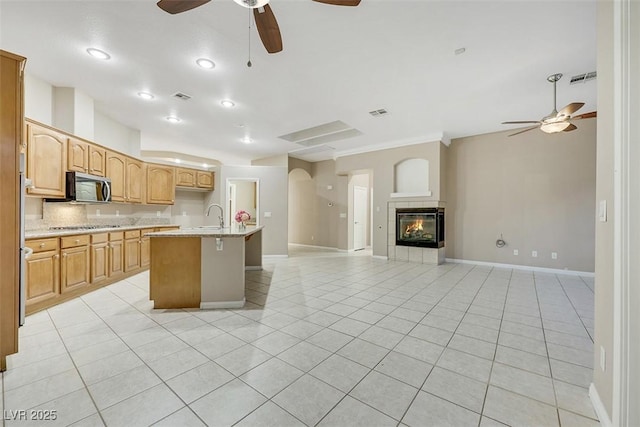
556,121
265,19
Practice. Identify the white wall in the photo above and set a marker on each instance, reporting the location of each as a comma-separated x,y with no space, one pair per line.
114,135
38,99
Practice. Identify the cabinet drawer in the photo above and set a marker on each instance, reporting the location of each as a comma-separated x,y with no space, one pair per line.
73,241
131,234
118,235
99,238
42,245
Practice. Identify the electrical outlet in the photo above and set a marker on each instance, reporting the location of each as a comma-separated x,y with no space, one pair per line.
184,213
534,254
515,252
158,214
603,359
117,213
554,255
312,237
97,212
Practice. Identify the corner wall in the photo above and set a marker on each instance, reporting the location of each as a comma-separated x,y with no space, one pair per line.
535,190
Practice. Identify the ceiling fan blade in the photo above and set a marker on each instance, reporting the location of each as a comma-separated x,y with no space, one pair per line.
585,115
179,6
521,122
570,128
340,2
526,130
268,28
570,109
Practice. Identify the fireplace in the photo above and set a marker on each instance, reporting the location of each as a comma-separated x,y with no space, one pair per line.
421,227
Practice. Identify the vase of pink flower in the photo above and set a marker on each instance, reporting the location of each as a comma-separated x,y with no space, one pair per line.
241,218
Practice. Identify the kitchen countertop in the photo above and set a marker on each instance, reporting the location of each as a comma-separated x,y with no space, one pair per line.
37,234
208,231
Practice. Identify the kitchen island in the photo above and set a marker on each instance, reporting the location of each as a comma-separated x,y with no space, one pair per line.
203,267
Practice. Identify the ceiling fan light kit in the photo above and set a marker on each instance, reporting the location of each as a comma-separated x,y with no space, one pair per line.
556,121
251,4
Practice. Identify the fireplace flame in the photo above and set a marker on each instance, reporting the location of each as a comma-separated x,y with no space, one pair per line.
414,227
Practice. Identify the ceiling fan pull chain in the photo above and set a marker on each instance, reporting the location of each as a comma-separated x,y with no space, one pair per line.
249,64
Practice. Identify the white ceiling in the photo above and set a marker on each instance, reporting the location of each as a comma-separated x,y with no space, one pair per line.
338,63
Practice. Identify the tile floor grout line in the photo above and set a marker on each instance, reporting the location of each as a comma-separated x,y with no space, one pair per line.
574,308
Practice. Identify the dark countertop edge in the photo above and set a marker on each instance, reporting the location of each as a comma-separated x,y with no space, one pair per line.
40,234
203,232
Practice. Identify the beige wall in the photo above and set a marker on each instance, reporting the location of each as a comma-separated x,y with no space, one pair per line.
534,189
381,164
302,209
604,265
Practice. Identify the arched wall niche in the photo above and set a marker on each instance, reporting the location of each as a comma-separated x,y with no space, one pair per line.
411,178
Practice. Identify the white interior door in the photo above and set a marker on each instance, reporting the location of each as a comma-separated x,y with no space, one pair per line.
359,217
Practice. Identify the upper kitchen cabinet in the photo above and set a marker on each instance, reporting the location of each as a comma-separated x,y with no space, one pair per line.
204,180
116,170
161,186
134,181
85,157
46,161
186,177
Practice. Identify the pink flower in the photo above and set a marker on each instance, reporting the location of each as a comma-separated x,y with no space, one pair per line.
242,216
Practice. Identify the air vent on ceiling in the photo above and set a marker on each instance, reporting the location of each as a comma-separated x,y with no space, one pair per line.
182,96
380,112
583,78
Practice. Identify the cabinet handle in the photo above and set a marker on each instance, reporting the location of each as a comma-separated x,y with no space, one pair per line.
64,255
42,245
56,256
77,240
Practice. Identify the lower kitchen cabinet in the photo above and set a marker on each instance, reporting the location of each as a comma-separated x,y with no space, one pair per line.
145,248
74,263
43,271
99,257
116,254
131,250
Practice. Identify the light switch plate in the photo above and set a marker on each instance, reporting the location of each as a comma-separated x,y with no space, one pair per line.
534,254
267,214
602,211
343,215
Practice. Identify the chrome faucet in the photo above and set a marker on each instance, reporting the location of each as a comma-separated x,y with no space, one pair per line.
221,216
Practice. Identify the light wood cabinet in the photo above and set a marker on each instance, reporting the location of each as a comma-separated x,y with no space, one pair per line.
116,170
11,137
77,155
97,160
74,263
185,177
145,248
134,181
204,179
131,250
46,161
161,185
116,254
99,257
43,270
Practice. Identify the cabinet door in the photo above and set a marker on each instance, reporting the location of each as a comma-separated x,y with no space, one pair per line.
77,155
46,161
97,160
99,262
134,181
131,254
161,187
205,179
43,276
185,177
116,167
145,252
116,258
74,268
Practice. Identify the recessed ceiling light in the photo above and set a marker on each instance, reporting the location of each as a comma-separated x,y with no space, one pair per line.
227,103
204,165
247,140
178,161
97,53
205,63
146,96
173,119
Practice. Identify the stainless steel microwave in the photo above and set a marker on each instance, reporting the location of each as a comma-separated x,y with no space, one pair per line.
85,188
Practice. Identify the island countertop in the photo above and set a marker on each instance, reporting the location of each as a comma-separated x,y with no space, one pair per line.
208,231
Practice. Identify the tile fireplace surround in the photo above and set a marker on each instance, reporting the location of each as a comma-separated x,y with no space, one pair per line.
408,253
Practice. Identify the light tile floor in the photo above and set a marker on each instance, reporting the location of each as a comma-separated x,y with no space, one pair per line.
325,339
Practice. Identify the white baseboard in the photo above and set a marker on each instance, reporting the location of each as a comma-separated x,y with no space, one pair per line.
386,258
598,406
522,267
274,256
315,247
221,304
252,267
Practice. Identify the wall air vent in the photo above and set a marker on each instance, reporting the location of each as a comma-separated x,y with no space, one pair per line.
380,112
582,78
182,96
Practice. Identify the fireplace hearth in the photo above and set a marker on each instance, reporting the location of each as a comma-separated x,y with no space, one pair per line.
420,227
